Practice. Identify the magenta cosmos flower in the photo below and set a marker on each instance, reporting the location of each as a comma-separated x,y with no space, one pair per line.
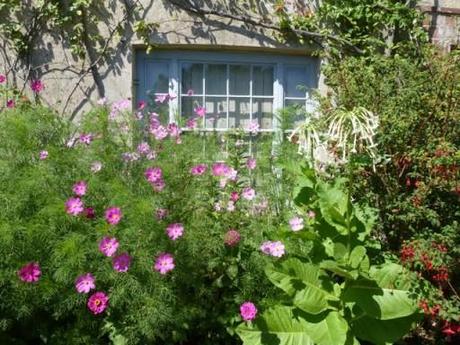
200,111
121,262
74,206
174,231
85,283
164,263
37,86
98,302
248,193
296,223
2,78
85,138
141,105
275,249
159,185
220,169
174,130
159,133
198,170
248,311
79,188
251,163
113,215
161,213
10,103
30,272
143,148
108,246
89,212
153,174
234,196
191,124
232,238
253,127
43,155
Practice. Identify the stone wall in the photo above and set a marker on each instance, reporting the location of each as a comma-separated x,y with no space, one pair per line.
442,22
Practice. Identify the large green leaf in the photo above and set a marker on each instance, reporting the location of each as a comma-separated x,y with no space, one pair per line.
334,206
302,280
287,326
377,302
390,275
381,332
277,326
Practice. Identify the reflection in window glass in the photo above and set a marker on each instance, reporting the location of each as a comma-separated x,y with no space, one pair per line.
262,84
216,112
296,79
239,112
192,78
158,77
239,79
262,109
297,109
216,79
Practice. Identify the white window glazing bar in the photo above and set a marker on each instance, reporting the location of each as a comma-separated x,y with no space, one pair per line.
173,89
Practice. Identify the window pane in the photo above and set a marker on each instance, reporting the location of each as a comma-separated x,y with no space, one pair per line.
187,106
157,79
216,112
161,108
296,111
192,78
216,79
239,79
262,84
263,111
239,111
296,81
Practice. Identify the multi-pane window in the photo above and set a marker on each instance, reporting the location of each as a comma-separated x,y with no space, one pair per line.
235,89
232,94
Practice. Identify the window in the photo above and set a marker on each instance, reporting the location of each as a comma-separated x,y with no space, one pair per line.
235,89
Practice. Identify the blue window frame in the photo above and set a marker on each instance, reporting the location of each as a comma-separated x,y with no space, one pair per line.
234,88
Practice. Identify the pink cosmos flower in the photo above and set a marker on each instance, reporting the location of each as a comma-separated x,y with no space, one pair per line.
158,185
311,214
190,92
113,215
143,148
74,206
2,78
153,174
251,163
79,188
96,166
98,302
37,86
85,283
248,193
130,156
141,105
174,130
232,238
43,155
108,246
10,103
191,123
161,213
121,262
30,272
172,96
174,231
164,263
248,311
159,133
152,155
86,138
232,174
154,121
253,127
234,196
296,223
199,169
275,249
118,107
89,213
102,101
200,111
220,169
161,98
